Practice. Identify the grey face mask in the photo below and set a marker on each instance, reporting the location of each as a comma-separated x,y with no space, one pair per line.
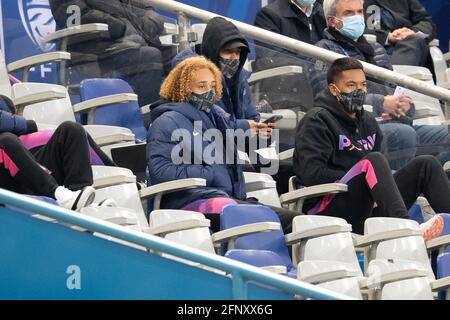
229,67
204,101
353,101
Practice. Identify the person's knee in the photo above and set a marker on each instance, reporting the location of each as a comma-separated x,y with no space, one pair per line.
8,139
376,156
428,161
71,127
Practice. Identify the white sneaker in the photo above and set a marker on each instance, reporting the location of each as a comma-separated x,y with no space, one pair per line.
74,200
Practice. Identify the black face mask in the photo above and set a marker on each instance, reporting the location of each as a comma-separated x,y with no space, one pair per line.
204,101
353,101
229,67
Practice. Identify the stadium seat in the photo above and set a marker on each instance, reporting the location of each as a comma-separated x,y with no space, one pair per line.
127,115
50,114
253,227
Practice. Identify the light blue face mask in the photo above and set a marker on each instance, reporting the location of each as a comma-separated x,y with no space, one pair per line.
305,3
353,27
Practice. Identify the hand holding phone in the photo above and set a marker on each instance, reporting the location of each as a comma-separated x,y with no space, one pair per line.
273,119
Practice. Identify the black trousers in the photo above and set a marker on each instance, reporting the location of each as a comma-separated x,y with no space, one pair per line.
64,161
393,194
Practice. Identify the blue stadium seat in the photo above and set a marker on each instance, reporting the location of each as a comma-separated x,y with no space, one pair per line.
126,115
240,215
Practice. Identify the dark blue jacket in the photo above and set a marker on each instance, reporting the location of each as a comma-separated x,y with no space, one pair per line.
223,180
9,122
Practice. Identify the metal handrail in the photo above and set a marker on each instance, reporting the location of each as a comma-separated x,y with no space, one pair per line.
240,272
306,49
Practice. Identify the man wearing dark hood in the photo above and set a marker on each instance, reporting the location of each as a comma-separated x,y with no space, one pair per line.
228,49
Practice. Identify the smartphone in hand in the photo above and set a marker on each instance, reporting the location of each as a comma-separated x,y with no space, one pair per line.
273,119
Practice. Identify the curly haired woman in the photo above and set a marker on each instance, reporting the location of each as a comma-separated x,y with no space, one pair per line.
173,151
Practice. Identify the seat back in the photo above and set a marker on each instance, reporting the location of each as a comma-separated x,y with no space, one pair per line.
49,113
410,289
126,115
265,196
337,247
410,248
311,271
122,188
238,215
198,238
443,271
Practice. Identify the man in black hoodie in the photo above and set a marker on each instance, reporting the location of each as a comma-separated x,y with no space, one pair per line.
338,142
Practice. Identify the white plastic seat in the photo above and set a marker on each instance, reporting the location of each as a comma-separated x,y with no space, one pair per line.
50,114
393,239
266,193
322,238
195,237
119,184
332,275
412,284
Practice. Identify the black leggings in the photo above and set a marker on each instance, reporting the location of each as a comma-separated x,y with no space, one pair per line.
393,194
66,156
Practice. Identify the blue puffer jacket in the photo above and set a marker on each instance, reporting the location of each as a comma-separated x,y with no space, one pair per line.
245,109
9,122
165,138
219,32
377,91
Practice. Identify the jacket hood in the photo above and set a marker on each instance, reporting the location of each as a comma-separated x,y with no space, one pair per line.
218,32
327,101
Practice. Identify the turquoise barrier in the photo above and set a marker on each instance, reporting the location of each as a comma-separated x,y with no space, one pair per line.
46,260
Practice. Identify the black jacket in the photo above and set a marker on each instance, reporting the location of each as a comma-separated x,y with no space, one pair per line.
285,18
407,13
328,143
131,23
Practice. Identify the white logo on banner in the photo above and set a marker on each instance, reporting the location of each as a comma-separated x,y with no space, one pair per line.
38,21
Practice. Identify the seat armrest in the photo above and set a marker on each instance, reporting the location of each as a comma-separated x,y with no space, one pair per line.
274,72
21,102
110,181
178,226
91,28
259,185
381,280
440,284
230,235
295,237
157,191
28,62
275,269
330,276
311,192
368,240
90,105
438,242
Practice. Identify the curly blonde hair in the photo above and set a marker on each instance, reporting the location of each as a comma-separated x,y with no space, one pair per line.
177,86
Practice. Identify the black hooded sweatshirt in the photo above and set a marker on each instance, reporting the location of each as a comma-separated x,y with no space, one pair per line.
219,32
328,143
